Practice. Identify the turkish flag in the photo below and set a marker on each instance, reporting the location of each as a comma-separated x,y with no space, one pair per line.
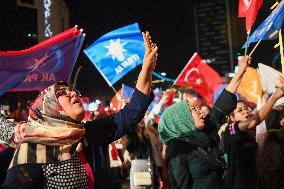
200,77
249,9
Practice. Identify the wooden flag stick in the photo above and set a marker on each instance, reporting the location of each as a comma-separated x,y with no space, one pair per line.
246,50
113,89
172,86
274,5
254,47
281,50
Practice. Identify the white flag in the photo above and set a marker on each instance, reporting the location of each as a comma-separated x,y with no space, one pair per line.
269,79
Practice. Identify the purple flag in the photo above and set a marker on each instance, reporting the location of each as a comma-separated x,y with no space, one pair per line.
40,66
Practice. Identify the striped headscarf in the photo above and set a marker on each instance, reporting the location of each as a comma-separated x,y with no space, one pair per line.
50,135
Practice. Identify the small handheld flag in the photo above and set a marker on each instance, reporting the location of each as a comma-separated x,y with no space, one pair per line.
249,9
201,77
270,27
117,52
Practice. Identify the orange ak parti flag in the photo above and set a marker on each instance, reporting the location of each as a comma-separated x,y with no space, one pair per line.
249,9
250,86
200,77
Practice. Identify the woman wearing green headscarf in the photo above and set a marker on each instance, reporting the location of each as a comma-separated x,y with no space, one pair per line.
186,132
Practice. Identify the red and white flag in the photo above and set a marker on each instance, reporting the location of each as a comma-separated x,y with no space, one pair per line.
200,77
249,9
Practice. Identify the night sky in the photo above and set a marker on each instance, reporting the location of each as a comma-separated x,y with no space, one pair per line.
170,22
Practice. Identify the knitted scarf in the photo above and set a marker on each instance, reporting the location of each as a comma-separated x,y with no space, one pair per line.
177,123
50,135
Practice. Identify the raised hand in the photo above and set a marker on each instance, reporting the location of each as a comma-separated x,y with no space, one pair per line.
244,62
150,56
279,91
144,81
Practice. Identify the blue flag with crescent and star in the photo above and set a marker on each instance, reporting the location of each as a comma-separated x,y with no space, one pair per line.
270,27
117,52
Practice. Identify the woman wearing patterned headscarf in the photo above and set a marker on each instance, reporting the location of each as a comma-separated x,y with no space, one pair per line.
49,147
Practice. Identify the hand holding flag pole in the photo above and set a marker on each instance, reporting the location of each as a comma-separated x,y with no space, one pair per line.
118,52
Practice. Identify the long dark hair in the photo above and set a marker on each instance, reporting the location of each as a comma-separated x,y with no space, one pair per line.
270,161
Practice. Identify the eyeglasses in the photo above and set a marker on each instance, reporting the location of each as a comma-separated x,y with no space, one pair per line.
243,110
67,92
198,111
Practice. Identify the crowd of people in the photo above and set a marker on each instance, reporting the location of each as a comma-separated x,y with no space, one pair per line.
183,146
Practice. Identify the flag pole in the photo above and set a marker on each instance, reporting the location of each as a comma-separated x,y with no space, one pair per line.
76,53
254,47
116,93
172,85
113,89
248,34
281,50
184,68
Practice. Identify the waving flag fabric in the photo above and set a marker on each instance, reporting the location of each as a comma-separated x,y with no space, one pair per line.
117,52
40,66
201,77
269,28
127,91
269,79
158,93
250,86
249,9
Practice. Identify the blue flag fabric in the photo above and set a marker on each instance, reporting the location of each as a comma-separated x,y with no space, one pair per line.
40,66
269,27
158,93
127,91
117,52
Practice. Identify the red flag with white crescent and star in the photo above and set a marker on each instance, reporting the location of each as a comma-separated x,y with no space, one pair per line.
200,77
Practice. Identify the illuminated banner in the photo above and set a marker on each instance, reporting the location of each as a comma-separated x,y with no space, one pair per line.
47,13
52,18
40,66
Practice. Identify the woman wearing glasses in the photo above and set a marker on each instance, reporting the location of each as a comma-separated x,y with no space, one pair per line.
240,143
49,146
186,131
